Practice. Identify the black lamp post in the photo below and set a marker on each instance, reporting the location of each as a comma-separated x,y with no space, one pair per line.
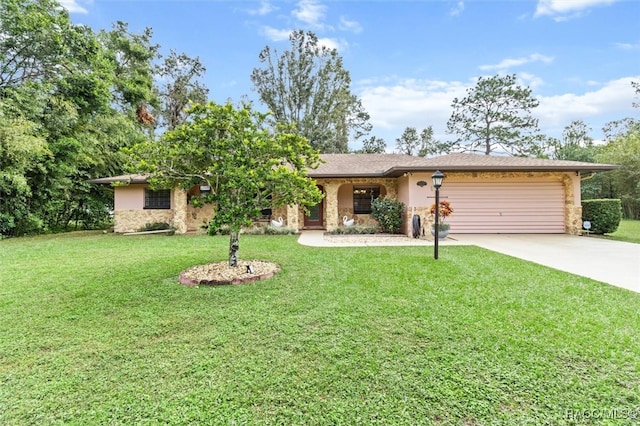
437,178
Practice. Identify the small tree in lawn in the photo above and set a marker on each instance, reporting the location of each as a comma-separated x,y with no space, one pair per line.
249,166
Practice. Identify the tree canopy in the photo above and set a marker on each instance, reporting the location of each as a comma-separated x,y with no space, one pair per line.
308,87
496,116
373,145
70,100
411,143
248,165
180,87
625,152
576,143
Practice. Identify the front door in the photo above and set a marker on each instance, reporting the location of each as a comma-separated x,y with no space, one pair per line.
315,218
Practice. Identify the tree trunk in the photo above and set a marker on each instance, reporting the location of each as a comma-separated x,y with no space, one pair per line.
234,246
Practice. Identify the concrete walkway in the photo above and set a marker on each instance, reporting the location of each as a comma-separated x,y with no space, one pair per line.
612,262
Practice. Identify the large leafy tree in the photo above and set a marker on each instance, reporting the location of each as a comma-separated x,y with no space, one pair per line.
180,87
132,56
35,40
248,165
68,101
621,148
308,87
625,152
495,115
21,149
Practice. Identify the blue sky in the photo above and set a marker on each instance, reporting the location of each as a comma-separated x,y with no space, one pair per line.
409,59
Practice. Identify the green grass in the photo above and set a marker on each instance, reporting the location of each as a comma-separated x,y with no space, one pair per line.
629,230
94,329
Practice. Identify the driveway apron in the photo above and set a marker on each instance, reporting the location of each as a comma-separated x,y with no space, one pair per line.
613,262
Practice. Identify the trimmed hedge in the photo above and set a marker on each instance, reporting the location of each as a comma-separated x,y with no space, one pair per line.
388,212
604,215
155,226
354,230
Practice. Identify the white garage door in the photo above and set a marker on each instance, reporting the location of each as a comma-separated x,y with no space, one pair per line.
505,207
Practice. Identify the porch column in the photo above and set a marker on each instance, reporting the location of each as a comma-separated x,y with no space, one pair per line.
331,204
292,217
179,206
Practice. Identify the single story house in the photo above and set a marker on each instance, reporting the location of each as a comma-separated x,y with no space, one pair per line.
489,194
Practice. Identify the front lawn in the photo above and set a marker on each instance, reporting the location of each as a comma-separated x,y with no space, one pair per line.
95,330
628,230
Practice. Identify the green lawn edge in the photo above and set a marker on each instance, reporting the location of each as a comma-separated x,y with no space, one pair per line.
96,330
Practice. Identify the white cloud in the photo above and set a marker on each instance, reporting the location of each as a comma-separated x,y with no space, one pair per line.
457,10
529,80
274,34
628,46
310,12
352,26
265,8
73,6
612,99
564,9
332,43
505,64
394,103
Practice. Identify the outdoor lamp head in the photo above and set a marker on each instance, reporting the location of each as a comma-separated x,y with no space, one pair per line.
437,178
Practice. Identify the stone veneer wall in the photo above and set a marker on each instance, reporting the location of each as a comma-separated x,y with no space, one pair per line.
280,212
197,217
179,206
184,217
426,220
133,220
333,214
292,220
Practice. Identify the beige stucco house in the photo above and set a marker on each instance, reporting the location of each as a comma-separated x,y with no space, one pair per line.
489,194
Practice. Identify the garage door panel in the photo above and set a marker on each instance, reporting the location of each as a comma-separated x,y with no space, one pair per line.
505,206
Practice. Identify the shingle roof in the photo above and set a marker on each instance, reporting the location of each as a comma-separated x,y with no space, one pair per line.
393,165
339,165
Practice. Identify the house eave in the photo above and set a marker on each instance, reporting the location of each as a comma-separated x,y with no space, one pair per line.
120,180
400,171
346,175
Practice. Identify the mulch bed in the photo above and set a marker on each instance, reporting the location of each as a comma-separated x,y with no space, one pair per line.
220,273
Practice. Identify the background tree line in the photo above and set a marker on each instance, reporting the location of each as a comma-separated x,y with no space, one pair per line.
72,101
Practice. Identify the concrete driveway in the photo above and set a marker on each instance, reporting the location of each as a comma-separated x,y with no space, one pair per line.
613,262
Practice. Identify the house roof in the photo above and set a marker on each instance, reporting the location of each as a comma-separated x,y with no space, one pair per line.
393,165
123,179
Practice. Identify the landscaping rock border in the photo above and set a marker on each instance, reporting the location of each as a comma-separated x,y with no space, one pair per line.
220,273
